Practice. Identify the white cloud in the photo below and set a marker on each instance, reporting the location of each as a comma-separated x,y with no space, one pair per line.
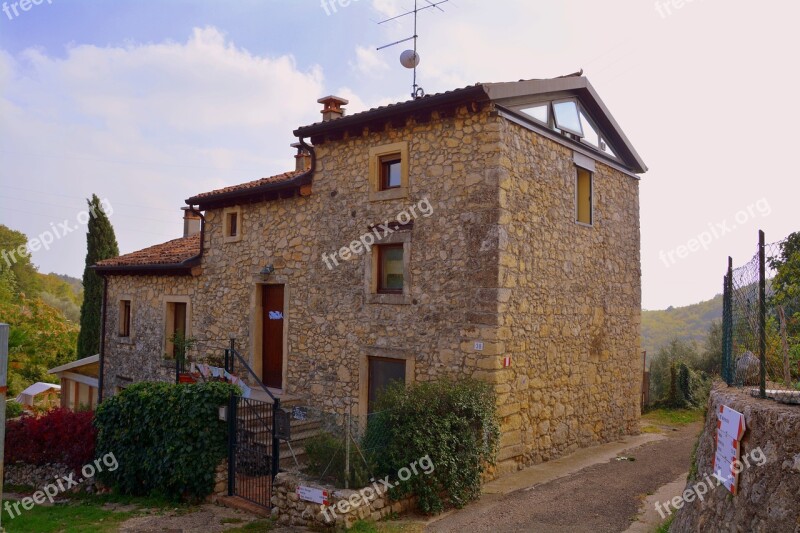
368,62
144,125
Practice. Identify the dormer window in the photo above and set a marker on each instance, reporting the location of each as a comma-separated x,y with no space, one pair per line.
566,117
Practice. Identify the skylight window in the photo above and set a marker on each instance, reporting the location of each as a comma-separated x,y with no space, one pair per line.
539,112
566,115
590,135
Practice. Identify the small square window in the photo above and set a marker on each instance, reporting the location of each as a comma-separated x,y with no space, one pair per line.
583,197
391,176
233,224
125,318
390,269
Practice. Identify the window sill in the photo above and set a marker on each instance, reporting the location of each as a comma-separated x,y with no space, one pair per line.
388,194
391,299
584,224
125,340
232,239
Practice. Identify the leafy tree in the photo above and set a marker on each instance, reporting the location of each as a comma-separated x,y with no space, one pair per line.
101,243
25,275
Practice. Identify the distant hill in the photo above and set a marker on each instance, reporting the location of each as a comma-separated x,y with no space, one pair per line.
690,323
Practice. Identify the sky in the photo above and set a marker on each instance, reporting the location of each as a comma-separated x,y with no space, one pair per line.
146,104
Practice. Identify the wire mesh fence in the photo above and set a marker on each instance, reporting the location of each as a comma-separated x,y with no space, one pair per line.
760,321
342,449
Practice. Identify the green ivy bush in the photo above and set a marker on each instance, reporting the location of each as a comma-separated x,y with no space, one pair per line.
455,424
167,438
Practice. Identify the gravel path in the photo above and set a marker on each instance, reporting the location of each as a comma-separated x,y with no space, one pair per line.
602,498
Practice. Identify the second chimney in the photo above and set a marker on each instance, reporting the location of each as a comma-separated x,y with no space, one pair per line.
191,222
302,158
332,107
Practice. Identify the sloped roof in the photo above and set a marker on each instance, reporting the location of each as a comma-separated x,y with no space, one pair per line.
279,178
503,93
92,359
37,388
175,253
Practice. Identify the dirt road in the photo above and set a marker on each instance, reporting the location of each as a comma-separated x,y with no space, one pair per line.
602,498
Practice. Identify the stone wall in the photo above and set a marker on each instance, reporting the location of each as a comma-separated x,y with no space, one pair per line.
344,506
500,260
332,327
141,356
570,304
768,495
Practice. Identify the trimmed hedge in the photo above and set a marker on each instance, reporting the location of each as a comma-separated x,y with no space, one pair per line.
454,424
57,436
167,438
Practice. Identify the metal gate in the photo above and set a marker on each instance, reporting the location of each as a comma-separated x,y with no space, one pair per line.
253,449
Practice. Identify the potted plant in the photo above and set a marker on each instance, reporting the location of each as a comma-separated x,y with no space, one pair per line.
182,346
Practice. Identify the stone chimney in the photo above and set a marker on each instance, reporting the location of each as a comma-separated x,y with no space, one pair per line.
332,107
302,158
191,222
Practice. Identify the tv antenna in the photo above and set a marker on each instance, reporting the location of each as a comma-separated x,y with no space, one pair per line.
410,58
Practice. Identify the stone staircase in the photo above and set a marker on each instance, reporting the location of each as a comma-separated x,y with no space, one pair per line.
300,430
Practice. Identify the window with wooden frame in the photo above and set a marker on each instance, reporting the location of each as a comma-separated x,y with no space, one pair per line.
390,268
125,318
176,327
388,171
584,210
232,224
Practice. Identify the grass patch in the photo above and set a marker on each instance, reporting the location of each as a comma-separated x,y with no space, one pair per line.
258,525
81,516
664,527
365,526
673,417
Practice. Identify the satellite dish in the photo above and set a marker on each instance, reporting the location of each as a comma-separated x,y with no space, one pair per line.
409,59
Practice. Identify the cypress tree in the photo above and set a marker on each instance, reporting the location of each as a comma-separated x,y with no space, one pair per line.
101,243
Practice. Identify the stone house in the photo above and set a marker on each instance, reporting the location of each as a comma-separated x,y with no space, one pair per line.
490,231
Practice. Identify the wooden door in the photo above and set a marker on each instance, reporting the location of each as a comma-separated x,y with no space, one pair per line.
272,336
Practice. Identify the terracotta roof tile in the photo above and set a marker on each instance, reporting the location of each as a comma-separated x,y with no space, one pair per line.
168,253
286,176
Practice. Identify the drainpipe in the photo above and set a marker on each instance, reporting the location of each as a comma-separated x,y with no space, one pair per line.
100,380
313,155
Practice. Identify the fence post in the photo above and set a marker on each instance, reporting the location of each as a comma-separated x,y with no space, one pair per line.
276,443
727,348
762,314
3,390
231,444
347,448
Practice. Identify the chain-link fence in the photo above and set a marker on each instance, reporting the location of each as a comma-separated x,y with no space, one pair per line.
342,449
760,321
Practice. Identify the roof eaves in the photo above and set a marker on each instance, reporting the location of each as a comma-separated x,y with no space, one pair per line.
471,92
230,197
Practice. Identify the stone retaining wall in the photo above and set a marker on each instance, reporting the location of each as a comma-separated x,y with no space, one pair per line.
344,508
768,496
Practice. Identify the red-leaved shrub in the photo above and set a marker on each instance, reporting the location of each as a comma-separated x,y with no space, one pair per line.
58,436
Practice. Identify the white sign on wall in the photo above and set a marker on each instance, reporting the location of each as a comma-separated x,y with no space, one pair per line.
730,430
312,494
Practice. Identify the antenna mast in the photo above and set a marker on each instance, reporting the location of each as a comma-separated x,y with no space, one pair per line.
410,58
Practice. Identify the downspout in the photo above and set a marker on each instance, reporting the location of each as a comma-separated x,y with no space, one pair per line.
313,155
100,380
